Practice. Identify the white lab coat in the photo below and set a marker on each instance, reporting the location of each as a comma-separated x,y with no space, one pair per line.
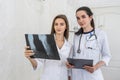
55,69
100,51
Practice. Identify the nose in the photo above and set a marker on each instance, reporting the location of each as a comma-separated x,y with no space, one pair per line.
79,21
58,25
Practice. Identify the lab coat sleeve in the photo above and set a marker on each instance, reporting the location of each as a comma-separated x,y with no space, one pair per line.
40,63
71,52
69,72
106,56
70,56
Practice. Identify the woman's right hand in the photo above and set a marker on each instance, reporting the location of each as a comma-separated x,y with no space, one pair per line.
28,52
69,65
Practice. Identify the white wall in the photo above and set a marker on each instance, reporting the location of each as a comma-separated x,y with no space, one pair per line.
13,64
18,17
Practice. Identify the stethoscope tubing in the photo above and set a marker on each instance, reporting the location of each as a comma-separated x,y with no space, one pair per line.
78,50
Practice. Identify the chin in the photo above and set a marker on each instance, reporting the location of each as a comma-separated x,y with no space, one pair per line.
82,26
58,33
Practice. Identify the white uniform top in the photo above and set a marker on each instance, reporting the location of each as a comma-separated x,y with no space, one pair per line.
55,69
91,48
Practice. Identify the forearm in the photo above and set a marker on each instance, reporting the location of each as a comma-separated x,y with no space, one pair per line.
99,64
33,62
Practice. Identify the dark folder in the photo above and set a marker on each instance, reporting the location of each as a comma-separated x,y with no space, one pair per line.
43,45
80,63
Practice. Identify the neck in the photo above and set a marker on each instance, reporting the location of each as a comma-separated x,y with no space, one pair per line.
87,29
59,37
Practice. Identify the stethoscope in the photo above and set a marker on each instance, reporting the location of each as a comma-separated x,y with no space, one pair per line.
91,34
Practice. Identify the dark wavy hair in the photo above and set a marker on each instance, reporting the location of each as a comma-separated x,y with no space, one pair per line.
89,13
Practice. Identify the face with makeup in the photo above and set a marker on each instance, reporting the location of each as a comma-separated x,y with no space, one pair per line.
59,26
83,19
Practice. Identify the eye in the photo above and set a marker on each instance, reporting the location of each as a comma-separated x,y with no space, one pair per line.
62,24
56,24
78,18
83,16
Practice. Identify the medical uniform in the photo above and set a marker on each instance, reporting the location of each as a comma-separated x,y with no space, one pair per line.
93,48
55,69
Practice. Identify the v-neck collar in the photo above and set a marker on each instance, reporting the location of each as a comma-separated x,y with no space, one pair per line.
62,45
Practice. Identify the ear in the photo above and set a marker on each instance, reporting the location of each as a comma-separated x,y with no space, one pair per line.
91,17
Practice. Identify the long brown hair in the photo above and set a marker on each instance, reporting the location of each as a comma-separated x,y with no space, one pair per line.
66,33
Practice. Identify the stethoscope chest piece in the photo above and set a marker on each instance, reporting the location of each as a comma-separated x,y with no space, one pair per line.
78,51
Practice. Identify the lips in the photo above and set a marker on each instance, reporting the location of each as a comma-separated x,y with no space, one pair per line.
58,30
81,24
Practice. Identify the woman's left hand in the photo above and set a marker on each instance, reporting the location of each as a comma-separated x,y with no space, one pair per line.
95,67
90,69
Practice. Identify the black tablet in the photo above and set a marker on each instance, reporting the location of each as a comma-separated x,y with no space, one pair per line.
80,63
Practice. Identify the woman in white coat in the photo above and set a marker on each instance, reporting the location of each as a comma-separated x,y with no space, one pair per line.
55,69
89,43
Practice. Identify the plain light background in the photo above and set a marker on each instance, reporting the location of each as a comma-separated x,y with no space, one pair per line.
18,17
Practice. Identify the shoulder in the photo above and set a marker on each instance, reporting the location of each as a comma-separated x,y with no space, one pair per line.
76,36
100,32
68,43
